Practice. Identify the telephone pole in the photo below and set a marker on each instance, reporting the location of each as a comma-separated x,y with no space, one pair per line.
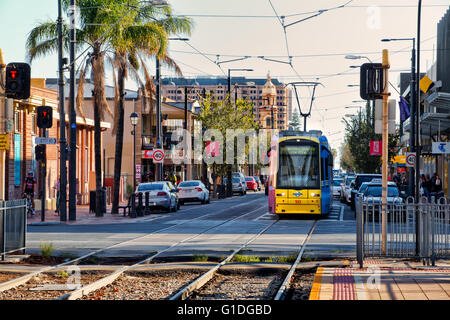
385,139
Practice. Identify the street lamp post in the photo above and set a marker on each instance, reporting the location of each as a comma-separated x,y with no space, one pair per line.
413,113
134,118
229,192
159,166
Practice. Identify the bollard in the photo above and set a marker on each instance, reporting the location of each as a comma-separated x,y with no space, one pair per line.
360,234
140,209
147,203
133,205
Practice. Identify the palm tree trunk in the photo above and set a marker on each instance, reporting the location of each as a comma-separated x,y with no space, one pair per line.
98,161
119,142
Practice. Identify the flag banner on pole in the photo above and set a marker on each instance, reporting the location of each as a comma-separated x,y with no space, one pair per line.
404,109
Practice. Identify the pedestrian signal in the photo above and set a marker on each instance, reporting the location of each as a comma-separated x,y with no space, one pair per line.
39,152
44,117
18,80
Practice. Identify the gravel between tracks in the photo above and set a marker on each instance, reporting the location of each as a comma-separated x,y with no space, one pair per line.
23,292
300,286
240,286
7,276
154,285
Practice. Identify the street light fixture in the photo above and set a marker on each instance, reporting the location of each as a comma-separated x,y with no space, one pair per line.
159,166
229,192
134,118
353,85
413,114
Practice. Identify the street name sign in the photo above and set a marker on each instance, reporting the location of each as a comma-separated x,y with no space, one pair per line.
44,140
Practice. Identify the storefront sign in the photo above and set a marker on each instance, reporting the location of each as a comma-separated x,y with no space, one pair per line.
4,141
440,147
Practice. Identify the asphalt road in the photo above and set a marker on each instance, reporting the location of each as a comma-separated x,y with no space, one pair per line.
213,229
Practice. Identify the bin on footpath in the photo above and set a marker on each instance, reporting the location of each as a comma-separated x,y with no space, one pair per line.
92,200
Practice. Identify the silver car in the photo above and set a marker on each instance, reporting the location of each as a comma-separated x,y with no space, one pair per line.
242,179
193,190
238,186
162,195
337,187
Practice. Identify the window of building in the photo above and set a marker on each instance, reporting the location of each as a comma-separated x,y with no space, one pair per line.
268,124
33,124
17,121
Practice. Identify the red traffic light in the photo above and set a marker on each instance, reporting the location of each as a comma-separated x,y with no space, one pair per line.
44,117
18,80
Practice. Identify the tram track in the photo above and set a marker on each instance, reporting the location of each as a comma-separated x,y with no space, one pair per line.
13,283
137,281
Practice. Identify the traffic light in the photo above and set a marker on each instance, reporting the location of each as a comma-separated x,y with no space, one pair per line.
44,117
371,81
18,80
39,152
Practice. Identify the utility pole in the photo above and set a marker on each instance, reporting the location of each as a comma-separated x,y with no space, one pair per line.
417,113
159,166
385,139
72,120
62,124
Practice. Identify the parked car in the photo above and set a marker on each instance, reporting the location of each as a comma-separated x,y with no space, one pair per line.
162,195
251,183
365,185
372,196
360,178
346,189
241,177
238,186
258,181
337,186
193,190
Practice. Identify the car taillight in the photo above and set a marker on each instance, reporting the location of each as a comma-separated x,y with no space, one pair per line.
161,194
198,189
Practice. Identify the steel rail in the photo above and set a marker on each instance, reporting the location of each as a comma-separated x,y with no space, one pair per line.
202,280
85,290
281,294
23,279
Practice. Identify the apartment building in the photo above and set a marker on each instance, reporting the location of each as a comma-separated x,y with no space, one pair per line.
265,94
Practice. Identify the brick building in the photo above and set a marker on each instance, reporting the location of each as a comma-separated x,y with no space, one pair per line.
255,90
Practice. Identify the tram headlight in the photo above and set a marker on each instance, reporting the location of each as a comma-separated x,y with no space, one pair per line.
313,194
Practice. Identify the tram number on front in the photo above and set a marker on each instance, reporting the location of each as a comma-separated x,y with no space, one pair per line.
298,201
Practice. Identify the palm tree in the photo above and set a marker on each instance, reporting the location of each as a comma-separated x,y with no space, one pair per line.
144,37
101,23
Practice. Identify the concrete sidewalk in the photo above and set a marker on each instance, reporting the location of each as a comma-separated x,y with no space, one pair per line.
383,280
83,216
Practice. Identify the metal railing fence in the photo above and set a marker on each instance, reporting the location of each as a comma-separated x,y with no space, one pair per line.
13,226
419,230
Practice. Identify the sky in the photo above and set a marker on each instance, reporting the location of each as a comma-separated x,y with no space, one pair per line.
246,30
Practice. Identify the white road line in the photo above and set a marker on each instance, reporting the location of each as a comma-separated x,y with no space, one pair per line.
264,215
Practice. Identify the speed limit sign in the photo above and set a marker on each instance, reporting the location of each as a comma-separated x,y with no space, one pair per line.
410,159
158,155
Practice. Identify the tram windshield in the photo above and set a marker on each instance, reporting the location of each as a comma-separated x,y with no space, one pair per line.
298,166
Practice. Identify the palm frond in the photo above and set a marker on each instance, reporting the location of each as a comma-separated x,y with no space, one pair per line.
80,92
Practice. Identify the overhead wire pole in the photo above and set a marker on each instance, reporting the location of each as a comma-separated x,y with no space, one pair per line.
62,124
385,137
72,119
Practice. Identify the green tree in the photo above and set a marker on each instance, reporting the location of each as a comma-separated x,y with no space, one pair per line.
295,122
133,30
359,132
222,115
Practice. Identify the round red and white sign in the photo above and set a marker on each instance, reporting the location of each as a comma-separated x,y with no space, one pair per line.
410,159
158,155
